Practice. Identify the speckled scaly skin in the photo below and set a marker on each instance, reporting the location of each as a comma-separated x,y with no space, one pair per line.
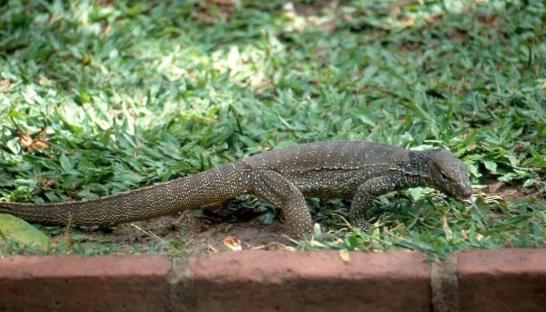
361,170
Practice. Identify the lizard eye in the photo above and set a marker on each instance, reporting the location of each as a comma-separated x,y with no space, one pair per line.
444,176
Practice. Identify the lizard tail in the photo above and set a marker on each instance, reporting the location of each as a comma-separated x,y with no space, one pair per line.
214,185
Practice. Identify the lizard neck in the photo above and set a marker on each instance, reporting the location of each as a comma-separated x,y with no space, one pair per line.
418,169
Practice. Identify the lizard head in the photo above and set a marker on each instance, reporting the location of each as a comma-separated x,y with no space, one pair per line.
450,175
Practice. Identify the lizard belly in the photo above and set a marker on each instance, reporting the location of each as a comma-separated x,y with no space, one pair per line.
328,184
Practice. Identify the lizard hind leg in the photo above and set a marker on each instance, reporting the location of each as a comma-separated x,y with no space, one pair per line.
281,192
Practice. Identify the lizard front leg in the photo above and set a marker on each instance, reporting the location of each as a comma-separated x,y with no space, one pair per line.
280,191
364,196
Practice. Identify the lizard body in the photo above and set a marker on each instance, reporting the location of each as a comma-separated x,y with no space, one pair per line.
361,170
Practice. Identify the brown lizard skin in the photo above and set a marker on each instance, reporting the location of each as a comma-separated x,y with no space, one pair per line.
361,170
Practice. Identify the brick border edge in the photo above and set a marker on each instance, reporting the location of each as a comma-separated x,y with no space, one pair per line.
480,280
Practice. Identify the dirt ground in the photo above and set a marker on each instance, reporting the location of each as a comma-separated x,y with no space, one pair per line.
196,235
508,193
202,236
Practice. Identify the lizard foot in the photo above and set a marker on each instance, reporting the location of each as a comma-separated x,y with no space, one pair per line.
363,225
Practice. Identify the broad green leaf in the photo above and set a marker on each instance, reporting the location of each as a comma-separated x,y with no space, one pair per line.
417,193
16,229
490,165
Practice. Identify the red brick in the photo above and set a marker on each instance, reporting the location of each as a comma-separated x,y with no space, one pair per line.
311,281
71,283
502,280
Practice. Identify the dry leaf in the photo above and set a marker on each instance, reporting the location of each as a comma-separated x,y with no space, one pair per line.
315,243
5,84
274,246
25,140
211,10
212,249
232,243
344,255
40,145
289,248
260,247
38,142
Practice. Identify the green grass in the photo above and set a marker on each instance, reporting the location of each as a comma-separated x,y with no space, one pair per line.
138,93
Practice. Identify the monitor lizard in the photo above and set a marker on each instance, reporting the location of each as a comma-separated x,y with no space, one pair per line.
361,170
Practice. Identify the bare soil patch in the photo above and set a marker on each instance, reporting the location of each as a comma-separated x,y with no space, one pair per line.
198,235
509,193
